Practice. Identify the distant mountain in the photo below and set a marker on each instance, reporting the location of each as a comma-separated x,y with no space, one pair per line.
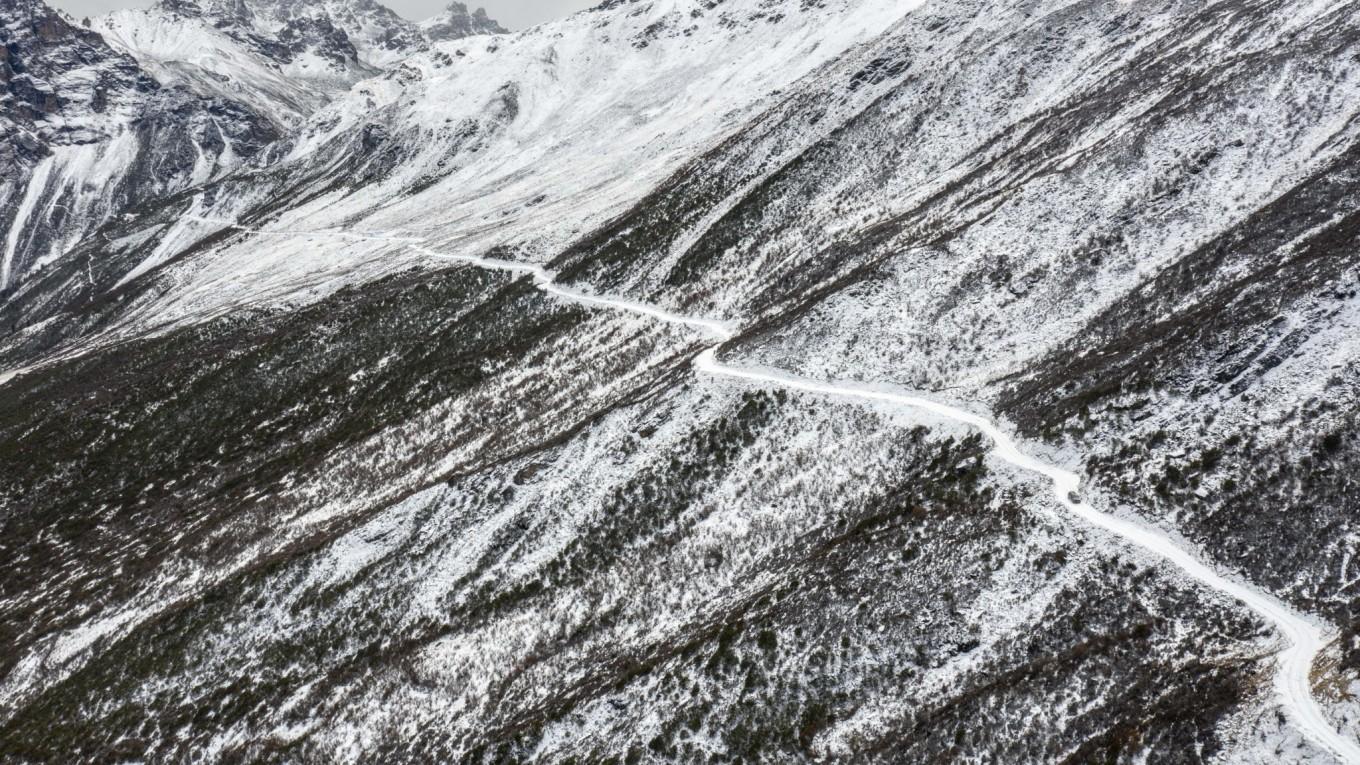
456,23
380,36
208,83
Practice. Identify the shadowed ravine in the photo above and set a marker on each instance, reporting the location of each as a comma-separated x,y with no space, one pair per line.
1306,636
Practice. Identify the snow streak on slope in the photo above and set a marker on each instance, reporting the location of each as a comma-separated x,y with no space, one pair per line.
32,194
1306,637
544,281
542,278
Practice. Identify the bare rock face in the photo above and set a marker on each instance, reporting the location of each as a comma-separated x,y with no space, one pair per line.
317,35
41,52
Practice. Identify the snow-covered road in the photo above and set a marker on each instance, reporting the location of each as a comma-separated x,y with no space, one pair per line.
1306,636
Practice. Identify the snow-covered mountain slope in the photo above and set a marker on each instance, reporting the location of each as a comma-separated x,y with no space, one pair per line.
87,134
285,59
335,485
212,84
286,76
601,533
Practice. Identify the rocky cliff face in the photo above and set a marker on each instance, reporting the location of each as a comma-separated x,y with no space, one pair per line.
337,484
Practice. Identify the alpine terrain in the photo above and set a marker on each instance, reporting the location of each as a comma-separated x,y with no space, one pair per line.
702,381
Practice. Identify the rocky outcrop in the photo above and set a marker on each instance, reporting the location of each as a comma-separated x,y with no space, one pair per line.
318,36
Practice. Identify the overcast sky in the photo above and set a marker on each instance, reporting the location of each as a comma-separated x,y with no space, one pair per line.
515,14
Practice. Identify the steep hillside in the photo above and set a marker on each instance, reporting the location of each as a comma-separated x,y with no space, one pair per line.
507,141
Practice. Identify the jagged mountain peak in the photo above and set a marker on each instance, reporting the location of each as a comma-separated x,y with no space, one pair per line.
285,60
235,10
378,34
381,36
457,22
